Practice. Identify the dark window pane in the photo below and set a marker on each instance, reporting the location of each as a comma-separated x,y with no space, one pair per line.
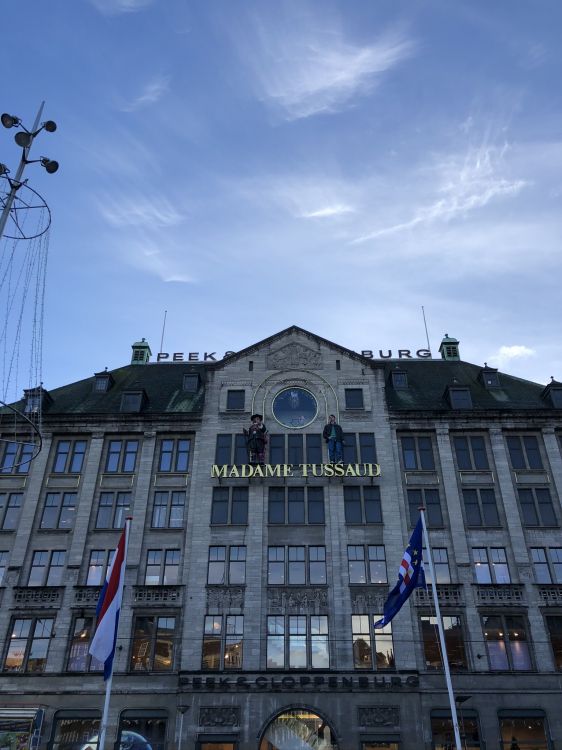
166,452
479,452
460,398
533,453
314,449
352,504
372,498
546,511
295,449
276,505
426,454
296,505
528,510
462,452
554,625
414,502
489,508
516,452
235,399
349,448
316,505
239,505
182,455
471,507
354,398
367,448
224,449
78,456
240,450
219,510
433,506
277,449
130,458
409,453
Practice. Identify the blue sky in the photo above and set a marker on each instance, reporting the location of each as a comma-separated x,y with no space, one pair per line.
336,165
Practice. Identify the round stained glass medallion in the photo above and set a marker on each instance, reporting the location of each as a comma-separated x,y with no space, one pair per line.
294,407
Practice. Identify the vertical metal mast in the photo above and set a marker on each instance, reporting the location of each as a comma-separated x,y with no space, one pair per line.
15,183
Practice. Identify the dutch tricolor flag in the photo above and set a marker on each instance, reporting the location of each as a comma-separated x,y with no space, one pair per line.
109,605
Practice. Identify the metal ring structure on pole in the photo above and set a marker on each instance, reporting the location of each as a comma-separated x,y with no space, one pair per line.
22,206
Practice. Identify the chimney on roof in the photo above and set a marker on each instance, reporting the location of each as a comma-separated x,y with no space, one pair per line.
141,353
449,349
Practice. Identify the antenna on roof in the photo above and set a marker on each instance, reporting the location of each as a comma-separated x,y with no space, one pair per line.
163,329
426,333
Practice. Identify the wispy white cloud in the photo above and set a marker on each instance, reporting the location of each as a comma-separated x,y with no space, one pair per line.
134,210
506,354
114,7
337,209
314,69
151,92
462,185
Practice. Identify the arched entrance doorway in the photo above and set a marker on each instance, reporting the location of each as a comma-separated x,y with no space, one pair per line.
298,729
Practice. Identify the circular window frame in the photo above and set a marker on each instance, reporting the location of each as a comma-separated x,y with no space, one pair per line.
292,388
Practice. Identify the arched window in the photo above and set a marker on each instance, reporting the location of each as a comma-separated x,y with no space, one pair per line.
298,729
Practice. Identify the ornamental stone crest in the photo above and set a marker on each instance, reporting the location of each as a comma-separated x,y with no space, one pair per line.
300,601
378,716
294,357
219,716
223,598
367,600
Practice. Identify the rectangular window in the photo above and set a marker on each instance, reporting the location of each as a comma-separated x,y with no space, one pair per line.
153,644
536,506
429,498
454,642
235,400
554,627
69,456
295,449
440,563
524,452
417,453
354,398
506,642
223,450
174,455
442,732
59,510
480,507
47,568
222,642
113,509
229,506
162,567
529,732
362,504
4,556
359,447
29,644
548,568
294,505
313,449
497,572
298,642
225,570
366,641
100,561
78,724
10,506
121,456
304,565
168,510
470,451
366,565
460,398
79,659
16,457
277,449
191,382
131,402
367,449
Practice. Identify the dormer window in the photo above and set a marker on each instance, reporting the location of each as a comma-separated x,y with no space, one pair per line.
132,401
191,382
553,393
459,397
490,377
102,382
35,400
399,380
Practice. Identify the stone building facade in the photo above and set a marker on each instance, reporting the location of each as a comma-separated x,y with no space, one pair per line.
251,593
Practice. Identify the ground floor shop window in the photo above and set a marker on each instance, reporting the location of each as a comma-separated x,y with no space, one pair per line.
142,730
217,745
523,732
443,734
379,744
75,730
298,729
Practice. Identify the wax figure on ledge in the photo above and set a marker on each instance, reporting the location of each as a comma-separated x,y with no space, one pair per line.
333,435
256,440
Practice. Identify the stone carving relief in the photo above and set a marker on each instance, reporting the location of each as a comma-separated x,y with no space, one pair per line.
294,357
219,716
378,716
366,600
299,601
225,598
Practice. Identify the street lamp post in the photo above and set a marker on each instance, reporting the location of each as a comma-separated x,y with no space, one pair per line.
24,138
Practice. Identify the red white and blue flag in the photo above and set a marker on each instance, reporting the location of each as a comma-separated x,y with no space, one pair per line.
410,576
104,641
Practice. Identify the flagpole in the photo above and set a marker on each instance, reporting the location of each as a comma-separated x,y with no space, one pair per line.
105,715
441,635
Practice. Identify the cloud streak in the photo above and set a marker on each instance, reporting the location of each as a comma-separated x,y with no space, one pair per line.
301,73
114,7
151,92
138,211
